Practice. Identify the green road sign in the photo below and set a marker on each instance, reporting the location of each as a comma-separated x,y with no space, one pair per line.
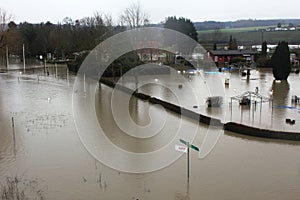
190,145
194,147
184,142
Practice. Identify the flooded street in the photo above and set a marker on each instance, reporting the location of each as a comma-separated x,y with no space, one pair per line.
45,157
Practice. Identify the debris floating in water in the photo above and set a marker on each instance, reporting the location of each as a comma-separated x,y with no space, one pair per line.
290,121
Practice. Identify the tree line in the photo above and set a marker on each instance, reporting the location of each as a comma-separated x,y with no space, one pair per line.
61,39
69,36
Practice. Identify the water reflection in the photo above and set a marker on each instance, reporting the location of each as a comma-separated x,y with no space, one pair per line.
280,92
139,111
51,157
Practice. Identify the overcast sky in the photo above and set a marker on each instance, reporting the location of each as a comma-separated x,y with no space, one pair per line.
36,11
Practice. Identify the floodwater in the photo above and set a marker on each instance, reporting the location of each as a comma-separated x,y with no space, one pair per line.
44,157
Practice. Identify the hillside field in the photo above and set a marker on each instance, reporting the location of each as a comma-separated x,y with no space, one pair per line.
249,35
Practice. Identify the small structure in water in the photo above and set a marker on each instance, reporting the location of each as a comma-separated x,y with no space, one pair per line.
246,71
245,101
250,97
226,81
295,99
214,101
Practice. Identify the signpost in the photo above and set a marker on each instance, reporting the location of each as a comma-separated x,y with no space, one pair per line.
181,148
188,146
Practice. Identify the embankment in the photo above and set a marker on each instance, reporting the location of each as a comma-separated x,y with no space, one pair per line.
263,133
229,126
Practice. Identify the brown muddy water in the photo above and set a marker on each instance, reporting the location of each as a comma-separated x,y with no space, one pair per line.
44,157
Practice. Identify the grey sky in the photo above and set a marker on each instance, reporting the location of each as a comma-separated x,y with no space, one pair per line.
196,10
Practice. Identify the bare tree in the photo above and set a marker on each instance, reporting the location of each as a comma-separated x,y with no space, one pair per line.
97,20
108,20
134,16
5,18
105,19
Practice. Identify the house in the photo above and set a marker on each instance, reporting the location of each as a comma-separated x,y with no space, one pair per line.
222,57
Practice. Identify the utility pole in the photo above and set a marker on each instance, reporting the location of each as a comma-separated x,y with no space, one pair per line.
24,57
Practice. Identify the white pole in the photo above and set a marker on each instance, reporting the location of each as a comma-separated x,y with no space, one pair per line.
84,89
45,67
14,134
24,57
188,161
68,75
231,108
7,61
55,69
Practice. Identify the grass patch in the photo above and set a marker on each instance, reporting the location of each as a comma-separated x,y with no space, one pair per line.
14,188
